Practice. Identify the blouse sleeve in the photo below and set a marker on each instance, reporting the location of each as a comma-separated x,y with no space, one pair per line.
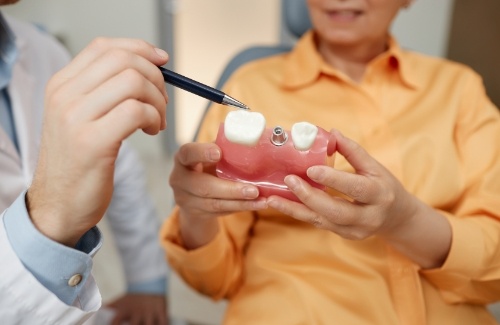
471,273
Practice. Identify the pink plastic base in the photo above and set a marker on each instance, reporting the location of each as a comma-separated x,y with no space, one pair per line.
265,165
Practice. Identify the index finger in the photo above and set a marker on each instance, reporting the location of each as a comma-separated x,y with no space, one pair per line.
101,45
355,154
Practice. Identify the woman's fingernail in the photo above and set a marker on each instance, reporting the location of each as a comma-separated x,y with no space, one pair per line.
260,204
214,155
161,53
275,204
315,173
250,192
292,182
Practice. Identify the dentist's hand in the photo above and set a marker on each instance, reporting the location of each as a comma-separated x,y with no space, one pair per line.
111,89
376,204
202,196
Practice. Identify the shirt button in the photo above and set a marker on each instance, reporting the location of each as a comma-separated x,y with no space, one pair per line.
75,280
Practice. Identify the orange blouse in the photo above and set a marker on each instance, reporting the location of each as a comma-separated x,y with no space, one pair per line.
431,124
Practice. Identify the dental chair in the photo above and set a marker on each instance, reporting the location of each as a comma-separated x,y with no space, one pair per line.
296,21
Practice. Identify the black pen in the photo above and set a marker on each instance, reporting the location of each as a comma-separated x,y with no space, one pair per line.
200,89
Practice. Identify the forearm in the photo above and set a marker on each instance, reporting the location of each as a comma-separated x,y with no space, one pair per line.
425,238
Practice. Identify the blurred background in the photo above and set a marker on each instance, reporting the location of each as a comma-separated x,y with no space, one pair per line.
201,36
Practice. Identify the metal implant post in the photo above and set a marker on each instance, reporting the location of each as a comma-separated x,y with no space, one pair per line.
279,136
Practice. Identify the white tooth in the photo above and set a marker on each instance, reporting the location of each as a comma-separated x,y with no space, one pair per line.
244,127
303,135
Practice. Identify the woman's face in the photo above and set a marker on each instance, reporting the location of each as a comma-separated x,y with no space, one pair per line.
353,22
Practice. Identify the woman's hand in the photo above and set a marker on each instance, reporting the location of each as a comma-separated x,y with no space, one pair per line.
377,204
202,196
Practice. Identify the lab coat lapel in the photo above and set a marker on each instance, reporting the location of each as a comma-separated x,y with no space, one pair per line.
7,147
22,93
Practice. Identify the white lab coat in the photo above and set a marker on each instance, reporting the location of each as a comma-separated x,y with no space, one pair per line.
23,300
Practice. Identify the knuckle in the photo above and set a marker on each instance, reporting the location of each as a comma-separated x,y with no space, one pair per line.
305,194
182,154
388,198
135,80
356,235
120,56
357,190
203,191
317,221
57,99
334,214
99,42
173,180
215,205
371,224
52,84
138,44
131,109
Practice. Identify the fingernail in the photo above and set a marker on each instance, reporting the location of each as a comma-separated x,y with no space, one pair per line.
292,182
260,204
273,204
250,192
315,173
161,53
339,133
214,154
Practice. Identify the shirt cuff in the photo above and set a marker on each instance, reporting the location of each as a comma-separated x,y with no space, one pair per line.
201,259
153,287
61,269
464,260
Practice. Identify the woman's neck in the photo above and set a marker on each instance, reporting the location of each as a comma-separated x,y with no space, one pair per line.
352,60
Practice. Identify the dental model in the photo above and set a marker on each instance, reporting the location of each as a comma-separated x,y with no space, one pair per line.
261,156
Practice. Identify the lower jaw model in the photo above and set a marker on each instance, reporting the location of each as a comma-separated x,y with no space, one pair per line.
261,156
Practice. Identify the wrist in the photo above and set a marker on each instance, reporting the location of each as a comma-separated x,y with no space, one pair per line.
50,223
197,231
425,237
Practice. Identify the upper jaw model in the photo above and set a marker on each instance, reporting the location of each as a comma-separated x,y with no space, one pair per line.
263,156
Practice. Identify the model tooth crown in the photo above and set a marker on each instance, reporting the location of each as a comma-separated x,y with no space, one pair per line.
303,135
244,127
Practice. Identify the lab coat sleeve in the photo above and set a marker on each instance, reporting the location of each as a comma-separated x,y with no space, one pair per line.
135,223
25,300
471,272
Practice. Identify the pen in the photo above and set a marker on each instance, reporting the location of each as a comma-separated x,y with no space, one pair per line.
200,89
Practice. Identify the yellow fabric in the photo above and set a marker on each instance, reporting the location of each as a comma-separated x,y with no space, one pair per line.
427,120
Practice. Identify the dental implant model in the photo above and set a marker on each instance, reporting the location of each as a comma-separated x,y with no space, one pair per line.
261,156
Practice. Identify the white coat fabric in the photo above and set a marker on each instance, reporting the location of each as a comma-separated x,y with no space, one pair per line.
23,300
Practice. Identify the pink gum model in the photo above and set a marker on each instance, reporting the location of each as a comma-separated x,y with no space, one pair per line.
266,164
